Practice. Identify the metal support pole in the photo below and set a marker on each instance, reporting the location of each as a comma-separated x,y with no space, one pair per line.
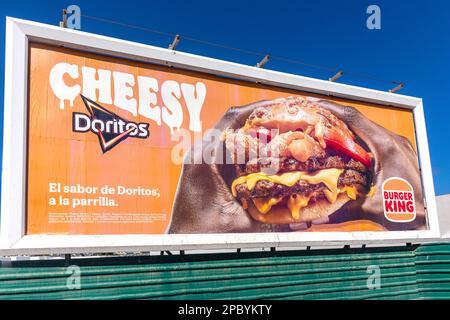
175,42
263,61
63,23
339,74
397,88
67,258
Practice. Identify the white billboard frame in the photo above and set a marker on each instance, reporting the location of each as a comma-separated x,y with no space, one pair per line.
14,241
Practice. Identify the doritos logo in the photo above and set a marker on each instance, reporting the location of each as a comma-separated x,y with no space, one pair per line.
398,200
108,126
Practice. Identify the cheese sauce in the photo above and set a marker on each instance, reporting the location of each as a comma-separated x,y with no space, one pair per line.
329,177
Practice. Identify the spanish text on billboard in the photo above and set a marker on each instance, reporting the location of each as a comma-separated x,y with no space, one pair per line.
122,147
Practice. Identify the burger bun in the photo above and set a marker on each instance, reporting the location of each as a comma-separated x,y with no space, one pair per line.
280,214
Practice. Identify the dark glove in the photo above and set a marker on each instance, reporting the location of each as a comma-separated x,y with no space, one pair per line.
204,203
393,157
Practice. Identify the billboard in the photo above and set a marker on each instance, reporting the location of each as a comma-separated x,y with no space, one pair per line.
116,147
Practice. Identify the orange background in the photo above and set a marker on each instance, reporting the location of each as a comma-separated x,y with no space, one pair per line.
56,154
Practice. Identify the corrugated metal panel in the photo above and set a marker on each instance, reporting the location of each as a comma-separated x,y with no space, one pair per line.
421,272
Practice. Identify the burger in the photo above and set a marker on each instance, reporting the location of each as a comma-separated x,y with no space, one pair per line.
295,161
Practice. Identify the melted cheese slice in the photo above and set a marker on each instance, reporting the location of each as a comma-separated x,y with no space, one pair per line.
352,193
295,203
265,204
329,177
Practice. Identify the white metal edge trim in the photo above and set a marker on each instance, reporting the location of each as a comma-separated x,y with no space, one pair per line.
425,165
122,48
61,244
14,141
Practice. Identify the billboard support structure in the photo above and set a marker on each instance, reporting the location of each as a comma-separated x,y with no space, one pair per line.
175,42
397,88
14,240
263,61
334,78
63,23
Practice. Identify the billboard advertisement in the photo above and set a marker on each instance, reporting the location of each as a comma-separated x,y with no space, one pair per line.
117,147
114,146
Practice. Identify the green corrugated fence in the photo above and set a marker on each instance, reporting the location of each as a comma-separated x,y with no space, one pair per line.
408,272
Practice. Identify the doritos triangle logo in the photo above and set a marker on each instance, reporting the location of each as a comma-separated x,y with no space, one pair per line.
108,126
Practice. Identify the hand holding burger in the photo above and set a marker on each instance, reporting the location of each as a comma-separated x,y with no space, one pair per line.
296,161
301,163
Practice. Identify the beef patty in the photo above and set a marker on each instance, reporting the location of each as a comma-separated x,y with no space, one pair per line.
285,164
265,188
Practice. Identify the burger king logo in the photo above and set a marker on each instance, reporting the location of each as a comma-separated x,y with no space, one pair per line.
398,200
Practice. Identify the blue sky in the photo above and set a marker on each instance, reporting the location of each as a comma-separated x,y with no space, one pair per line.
412,46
